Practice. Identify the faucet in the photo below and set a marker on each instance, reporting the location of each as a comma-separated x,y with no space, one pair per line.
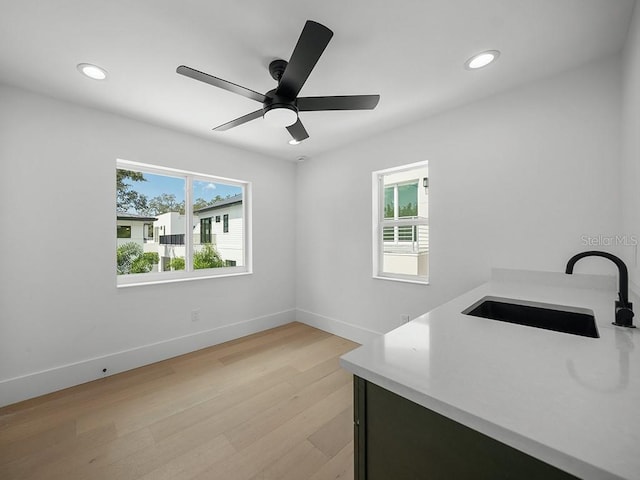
624,308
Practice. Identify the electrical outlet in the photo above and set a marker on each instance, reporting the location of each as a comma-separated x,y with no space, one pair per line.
404,318
195,315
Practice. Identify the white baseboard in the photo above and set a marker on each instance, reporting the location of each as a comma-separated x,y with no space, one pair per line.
342,329
39,383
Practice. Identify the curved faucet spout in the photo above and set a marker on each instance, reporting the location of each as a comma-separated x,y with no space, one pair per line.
623,289
624,308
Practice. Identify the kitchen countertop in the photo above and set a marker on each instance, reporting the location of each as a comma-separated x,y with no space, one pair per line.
571,401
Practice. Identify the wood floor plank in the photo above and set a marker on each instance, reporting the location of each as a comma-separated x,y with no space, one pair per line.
339,467
261,453
32,444
248,432
193,461
273,405
28,466
75,463
201,412
335,434
300,462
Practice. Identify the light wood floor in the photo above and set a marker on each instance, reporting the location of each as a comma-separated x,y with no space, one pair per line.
274,405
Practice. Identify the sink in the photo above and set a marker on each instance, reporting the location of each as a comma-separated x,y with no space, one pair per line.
574,320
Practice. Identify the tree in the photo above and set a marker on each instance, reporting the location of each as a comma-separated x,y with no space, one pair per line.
200,203
165,202
126,198
208,257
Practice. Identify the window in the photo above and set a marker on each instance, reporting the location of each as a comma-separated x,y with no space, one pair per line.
171,236
401,223
217,218
205,230
225,223
123,231
148,231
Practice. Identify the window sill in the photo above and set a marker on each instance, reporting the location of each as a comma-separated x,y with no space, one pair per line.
158,281
418,281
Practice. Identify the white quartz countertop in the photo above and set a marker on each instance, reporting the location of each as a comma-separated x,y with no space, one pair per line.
571,401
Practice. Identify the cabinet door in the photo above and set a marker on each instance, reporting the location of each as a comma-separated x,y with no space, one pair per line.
401,440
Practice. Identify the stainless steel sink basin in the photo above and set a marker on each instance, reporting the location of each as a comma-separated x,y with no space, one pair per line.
574,320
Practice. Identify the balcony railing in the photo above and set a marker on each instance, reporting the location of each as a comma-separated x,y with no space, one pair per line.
176,239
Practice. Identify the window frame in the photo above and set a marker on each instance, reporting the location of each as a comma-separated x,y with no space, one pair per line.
189,273
379,222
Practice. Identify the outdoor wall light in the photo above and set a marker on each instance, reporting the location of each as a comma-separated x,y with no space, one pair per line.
425,182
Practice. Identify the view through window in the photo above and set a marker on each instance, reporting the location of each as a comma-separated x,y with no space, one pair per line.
165,225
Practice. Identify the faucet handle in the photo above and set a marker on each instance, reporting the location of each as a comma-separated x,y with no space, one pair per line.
624,314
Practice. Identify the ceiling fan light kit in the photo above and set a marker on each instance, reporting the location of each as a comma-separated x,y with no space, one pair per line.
280,115
280,106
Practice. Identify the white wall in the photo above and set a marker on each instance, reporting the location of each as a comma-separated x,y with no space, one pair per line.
60,307
631,146
515,181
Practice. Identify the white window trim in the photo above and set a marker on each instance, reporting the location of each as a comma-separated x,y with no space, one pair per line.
188,274
378,222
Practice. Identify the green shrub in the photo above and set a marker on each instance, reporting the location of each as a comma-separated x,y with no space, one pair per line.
141,265
126,255
208,257
151,257
177,263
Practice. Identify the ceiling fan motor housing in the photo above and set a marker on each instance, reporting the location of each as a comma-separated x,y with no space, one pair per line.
287,111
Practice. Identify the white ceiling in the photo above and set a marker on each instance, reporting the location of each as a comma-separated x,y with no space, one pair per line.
411,52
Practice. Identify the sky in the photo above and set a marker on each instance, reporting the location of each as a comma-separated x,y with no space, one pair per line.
159,184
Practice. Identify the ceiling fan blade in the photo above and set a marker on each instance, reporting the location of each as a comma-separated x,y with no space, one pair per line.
342,102
312,42
218,82
239,121
298,131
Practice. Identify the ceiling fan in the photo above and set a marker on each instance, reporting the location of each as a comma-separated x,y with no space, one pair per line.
281,105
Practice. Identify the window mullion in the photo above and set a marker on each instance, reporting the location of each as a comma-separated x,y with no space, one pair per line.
188,214
396,232
379,233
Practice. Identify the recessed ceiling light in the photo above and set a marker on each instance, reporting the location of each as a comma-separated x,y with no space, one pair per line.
293,141
92,71
481,59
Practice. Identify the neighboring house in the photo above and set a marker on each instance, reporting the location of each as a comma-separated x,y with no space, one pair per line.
221,225
169,232
131,227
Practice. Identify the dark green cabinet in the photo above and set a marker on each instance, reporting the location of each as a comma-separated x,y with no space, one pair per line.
397,439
